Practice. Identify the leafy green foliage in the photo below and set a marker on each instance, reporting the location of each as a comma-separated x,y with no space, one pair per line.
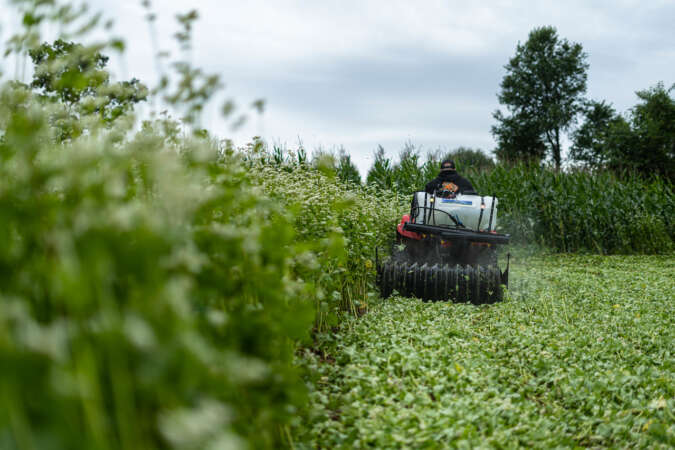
542,90
75,76
147,293
590,141
345,222
579,356
649,147
380,174
518,141
67,71
643,143
407,173
346,170
151,293
327,161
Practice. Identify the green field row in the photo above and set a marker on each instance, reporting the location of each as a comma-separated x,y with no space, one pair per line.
581,354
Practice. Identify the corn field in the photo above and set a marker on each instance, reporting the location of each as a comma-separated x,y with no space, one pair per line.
566,211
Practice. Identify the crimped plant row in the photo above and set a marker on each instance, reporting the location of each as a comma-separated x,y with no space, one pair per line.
474,284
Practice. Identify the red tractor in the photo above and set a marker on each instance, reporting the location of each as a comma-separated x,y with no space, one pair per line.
446,249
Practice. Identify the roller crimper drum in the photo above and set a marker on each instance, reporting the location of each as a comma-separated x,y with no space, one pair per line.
478,285
446,249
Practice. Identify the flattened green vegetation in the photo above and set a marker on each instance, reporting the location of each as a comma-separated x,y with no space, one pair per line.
581,354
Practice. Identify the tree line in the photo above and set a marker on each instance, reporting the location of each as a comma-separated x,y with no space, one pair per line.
543,93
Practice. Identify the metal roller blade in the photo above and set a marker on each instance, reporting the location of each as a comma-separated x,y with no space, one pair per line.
474,284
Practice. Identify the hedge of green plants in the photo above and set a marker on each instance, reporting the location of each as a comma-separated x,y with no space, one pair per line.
154,288
135,310
328,213
582,211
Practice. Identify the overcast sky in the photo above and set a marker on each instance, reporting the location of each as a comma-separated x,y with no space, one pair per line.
362,73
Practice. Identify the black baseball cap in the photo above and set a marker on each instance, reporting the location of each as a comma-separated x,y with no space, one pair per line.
448,164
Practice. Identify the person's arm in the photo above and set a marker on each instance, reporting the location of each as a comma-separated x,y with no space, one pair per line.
470,186
467,187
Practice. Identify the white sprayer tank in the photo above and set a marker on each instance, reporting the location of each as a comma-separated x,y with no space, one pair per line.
465,208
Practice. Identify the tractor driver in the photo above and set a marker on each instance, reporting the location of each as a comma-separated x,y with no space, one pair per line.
449,183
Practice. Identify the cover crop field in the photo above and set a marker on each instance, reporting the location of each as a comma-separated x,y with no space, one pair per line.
162,287
579,355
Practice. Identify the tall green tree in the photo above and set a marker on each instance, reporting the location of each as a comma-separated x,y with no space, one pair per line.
647,143
431,165
542,91
518,139
346,169
591,141
408,174
643,141
76,76
67,71
381,173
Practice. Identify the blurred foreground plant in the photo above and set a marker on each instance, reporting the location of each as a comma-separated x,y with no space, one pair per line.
146,293
148,296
